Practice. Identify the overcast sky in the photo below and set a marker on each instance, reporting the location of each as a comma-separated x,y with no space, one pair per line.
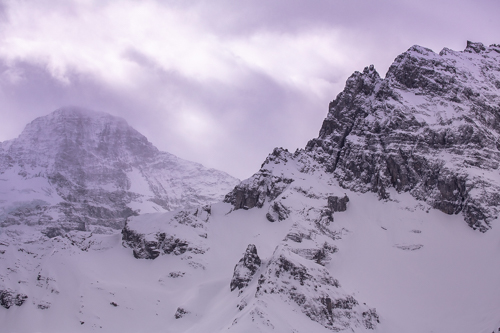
220,82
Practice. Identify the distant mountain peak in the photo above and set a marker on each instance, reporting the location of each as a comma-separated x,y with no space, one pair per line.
99,171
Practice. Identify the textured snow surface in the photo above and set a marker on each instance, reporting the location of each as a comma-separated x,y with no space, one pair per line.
422,270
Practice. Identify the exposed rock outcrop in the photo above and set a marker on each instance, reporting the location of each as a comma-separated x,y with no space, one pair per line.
263,186
277,212
246,268
314,290
158,234
181,312
9,298
429,128
337,204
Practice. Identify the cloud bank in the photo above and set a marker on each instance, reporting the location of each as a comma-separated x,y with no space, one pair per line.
219,82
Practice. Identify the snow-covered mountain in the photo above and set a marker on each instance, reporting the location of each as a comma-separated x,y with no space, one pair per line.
387,222
76,169
431,128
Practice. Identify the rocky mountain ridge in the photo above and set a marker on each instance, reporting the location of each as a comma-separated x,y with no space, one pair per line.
429,128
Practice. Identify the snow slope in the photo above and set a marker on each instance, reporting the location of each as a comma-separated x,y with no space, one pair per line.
422,270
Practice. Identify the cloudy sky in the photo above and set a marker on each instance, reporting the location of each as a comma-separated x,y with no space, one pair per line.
219,82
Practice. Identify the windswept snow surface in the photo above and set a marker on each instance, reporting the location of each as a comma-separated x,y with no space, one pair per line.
422,270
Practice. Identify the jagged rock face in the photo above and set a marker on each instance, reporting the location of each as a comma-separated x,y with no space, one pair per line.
180,313
314,290
151,249
246,268
297,272
85,169
277,212
261,187
178,233
337,204
430,128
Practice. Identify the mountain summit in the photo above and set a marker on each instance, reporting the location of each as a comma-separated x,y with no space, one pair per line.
78,169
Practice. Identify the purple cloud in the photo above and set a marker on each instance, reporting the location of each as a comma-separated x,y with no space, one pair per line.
221,83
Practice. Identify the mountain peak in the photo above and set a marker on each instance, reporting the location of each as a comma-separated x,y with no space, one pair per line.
429,128
100,171
68,113
420,49
78,111
81,116
71,138
473,47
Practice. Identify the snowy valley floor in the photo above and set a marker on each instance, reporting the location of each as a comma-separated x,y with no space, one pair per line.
422,270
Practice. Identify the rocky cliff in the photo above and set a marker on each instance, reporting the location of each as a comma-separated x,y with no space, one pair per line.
431,128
